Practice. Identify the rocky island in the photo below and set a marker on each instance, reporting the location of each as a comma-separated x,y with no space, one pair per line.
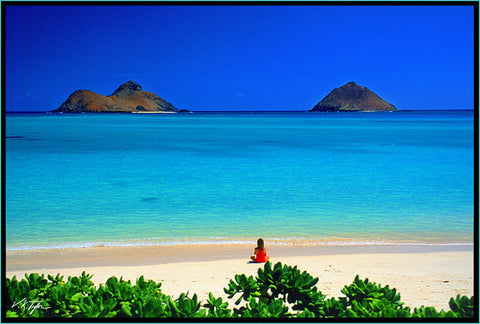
353,97
129,97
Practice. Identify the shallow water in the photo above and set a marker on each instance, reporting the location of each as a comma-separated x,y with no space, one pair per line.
305,178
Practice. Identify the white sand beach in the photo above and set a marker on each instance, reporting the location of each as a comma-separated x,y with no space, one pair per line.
423,275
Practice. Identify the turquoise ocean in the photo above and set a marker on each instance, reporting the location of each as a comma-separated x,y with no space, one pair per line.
217,177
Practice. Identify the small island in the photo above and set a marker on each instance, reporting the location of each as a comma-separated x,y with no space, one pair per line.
353,97
128,98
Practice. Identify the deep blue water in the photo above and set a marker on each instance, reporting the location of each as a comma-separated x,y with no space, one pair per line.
314,178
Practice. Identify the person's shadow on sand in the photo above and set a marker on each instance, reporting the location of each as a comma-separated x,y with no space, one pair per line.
255,262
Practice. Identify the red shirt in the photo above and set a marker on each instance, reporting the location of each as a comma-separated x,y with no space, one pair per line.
261,255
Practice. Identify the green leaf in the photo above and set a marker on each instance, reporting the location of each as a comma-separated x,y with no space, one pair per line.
76,297
11,313
126,309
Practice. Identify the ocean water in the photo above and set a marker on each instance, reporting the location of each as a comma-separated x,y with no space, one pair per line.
300,178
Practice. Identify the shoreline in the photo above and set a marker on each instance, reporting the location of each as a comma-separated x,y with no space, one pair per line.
423,275
297,242
154,112
163,254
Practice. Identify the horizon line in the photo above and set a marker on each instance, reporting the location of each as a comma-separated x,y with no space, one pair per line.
50,111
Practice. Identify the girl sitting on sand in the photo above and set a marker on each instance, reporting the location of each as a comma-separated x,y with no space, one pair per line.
260,252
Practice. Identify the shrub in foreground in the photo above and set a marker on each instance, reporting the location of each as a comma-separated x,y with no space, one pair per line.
280,291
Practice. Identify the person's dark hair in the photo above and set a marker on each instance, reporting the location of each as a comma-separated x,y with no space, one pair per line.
260,243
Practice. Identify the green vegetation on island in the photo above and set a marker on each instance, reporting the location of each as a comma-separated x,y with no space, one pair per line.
280,291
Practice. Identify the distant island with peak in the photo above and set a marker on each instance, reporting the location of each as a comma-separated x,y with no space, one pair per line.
128,98
353,97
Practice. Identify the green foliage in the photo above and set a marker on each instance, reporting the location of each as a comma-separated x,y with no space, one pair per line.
280,291
217,308
259,309
463,306
367,299
460,307
186,308
79,298
430,312
248,287
280,282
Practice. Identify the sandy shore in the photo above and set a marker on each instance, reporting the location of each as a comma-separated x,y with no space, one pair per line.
423,275
153,112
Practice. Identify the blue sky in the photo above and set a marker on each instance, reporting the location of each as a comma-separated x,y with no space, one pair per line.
241,57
